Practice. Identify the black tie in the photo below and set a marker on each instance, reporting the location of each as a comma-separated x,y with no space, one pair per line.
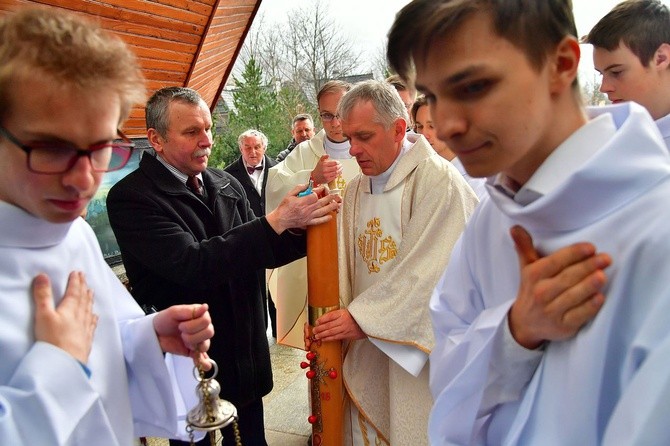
251,170
194,185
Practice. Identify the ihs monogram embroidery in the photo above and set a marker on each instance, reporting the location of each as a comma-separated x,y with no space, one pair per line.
373,248
340,182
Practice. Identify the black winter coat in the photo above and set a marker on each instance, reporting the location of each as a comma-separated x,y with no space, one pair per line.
257,202
239,171
177,250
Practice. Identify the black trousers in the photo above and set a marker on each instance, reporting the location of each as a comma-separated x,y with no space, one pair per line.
251,424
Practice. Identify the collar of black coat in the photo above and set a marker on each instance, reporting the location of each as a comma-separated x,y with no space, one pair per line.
213,179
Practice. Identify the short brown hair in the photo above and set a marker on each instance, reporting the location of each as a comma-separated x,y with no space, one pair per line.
641,25
400,85
333,87
69,49
420,102
534,26
302,117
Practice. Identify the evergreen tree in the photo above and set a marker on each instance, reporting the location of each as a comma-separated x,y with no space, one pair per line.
256,106
293,101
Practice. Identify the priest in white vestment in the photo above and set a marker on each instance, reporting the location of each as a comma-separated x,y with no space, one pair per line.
400,219
324,159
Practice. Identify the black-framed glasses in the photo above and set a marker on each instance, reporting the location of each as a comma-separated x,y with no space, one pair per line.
327,116
54,157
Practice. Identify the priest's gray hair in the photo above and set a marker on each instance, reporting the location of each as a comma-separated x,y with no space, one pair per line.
385,100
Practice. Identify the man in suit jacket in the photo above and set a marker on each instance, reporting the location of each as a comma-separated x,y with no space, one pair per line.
251,170
205,244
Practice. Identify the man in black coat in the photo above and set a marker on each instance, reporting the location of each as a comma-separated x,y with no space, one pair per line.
202,243
302,130
251,170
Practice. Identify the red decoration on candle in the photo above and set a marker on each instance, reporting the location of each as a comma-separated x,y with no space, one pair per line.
332,374
311,355
310,374
304,365
311,419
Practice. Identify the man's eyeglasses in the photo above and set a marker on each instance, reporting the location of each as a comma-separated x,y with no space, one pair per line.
327,117
54,157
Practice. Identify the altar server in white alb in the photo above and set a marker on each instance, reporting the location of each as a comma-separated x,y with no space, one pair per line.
81,364
400,219
631,51
566,342
324,159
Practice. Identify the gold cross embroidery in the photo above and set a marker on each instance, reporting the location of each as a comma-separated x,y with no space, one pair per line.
340,182
374,249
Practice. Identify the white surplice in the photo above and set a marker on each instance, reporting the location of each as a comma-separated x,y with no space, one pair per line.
609,384
46,397
477,184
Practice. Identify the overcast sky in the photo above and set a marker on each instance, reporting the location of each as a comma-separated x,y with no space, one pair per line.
366,22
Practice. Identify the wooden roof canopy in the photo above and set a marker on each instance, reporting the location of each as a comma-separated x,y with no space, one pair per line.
188,43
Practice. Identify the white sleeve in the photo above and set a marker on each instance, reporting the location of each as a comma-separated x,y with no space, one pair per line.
162,389
408,357
474,367
295,169
640,416
158,410
511,367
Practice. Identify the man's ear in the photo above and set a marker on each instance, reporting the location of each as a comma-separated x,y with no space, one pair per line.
566,64
155,140
400,127
662,56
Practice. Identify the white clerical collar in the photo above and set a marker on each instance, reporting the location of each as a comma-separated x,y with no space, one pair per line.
561,163
182,177
378,183
337,150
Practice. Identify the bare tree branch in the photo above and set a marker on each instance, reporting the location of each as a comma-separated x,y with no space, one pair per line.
309,48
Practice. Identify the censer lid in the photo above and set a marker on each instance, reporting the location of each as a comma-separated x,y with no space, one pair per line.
211,412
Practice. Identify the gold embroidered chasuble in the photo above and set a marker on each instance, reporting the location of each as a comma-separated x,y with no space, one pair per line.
433,204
